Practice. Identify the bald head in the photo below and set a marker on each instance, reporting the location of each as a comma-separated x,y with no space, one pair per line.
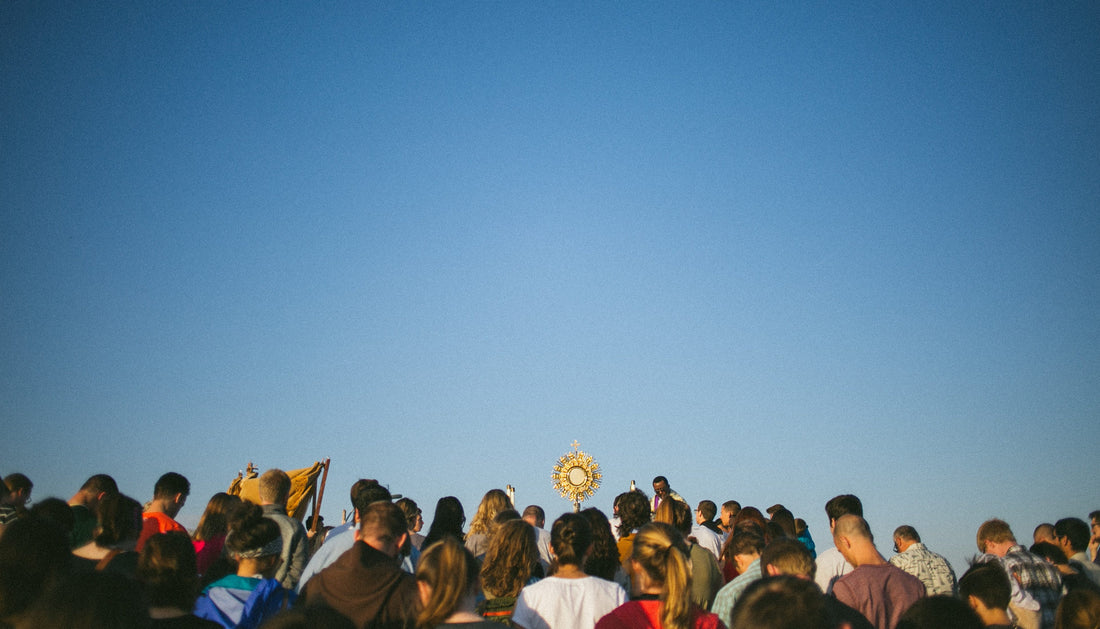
854,540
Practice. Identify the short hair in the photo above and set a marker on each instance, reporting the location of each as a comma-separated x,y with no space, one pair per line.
988,582
570,537
660,479
907,533
844,504
451,571
100,483
732,506
169,485
1079,609
996,531
675,513
383,521
536,512
1095,516
746,541
775,507
274,486
853,526
57,511
119,520
168,568
1075,530
1046,529
935,612
788,556
1050,552
368,493
410,509
782,602
707,509
18,481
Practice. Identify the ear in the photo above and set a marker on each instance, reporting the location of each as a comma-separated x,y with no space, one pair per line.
425,591
772,570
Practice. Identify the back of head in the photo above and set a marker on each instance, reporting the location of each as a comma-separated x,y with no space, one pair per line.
708,509
33,553
1050,552
785,520
994,531
448,520
844,504
534,512
171,484
1075,530
274,486
510,560
907,533
746,540
99,484
660,551
382,524
633,511
570,538
493,502
937,612
853,527
119,520
676,513
750,514
215,518
251,535
603,561
368,493
1079,609
782,602
988,582
18,482
788,556
89,600
451,572
168,569
57,511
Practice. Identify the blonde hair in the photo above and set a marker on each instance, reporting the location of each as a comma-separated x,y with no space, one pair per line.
274,486
451,572
494,501
660,550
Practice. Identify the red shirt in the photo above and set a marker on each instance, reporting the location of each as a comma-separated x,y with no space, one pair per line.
154,522
646,614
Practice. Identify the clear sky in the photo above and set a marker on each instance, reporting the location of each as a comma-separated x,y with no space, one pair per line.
775,253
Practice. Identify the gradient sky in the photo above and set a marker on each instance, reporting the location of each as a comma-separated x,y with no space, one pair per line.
775,253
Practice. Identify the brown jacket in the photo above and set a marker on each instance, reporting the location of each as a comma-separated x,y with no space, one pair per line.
369,587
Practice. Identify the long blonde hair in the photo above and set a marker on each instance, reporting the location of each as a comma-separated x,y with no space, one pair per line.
494,501
451,572
660,550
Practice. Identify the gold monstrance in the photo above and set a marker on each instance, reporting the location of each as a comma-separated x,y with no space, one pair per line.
576,476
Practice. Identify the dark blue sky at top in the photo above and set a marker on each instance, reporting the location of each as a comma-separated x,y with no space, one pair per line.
775,253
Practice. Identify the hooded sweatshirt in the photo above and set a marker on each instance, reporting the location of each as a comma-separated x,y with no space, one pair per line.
369,587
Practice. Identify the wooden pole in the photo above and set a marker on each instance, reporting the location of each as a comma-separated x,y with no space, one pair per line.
320,496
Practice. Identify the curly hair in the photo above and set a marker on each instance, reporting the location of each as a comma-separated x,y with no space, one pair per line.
603,561
633,512
510,560
250,530
494,501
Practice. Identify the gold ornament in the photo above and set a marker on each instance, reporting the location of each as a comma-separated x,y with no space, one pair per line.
576,476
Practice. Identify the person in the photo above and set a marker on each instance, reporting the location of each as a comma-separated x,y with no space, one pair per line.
985,587
706,577
84,504
746,517
448,520
744,547
802,531
34,553
366,583
661,491
705,514
274,489
784,520
447,580
939,611
168,570
88,600
1094,540
876,588
1043,533
660,570
1073,576
415,519
57,511
246,599
730,509
493,502
603,560
536,517
634,513
569,598
511,563
782,602
705,530
933,570
113,547
790,557
1036,583
169,495
1072,536
209,536
831,565
18,489
1078,610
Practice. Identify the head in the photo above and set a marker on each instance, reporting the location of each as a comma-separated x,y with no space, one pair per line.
844,504
936,612
854,540
19,488
413,517
772,509
1072,535
1079,609
1094,524
274,487
676,513
904,537
745,546
510,560
34,552
93,490
995,537
603,560
985,587
57,511
383,527
660,560
167,568
448,519
493,502
535,516
634,512
782,602
787,556
171,491
570,539
215,518
730,509
254,541
367,493
119,522
660,487
1043,533
784,520
706,511
447,577
1051,552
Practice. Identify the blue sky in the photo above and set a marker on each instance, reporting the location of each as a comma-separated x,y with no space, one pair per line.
774,253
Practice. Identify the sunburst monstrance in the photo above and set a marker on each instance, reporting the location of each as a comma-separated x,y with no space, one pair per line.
576,476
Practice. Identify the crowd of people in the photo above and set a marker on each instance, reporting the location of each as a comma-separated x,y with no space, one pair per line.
105,560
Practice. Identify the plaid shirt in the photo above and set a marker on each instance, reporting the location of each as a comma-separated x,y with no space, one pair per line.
933,570
1038,578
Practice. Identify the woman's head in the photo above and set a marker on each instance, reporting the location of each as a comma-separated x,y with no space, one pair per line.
167,567
510,560
570,538
660,560
494,501
215,519
119,520
447,576
254,538
633,511
676,513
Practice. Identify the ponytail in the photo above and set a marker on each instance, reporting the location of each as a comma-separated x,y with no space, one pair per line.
660,550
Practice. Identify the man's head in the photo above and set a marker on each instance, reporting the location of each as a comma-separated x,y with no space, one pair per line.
904,537
93,490
844,504
787,556
535,516
782,602
675,513
413,516
274,487
854,540
19,487
985,587
706,511
368,493
171,491
1072,535
730,509
1094,524
383,527
995,537
1043,533
660,487
745,546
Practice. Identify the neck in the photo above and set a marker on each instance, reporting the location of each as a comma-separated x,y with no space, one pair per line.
570,571
994,617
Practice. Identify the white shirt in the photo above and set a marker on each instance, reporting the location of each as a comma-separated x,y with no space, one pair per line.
708,539
831,565
556,603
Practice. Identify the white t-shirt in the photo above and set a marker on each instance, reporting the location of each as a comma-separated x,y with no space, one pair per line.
708,539
831,565
556,603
